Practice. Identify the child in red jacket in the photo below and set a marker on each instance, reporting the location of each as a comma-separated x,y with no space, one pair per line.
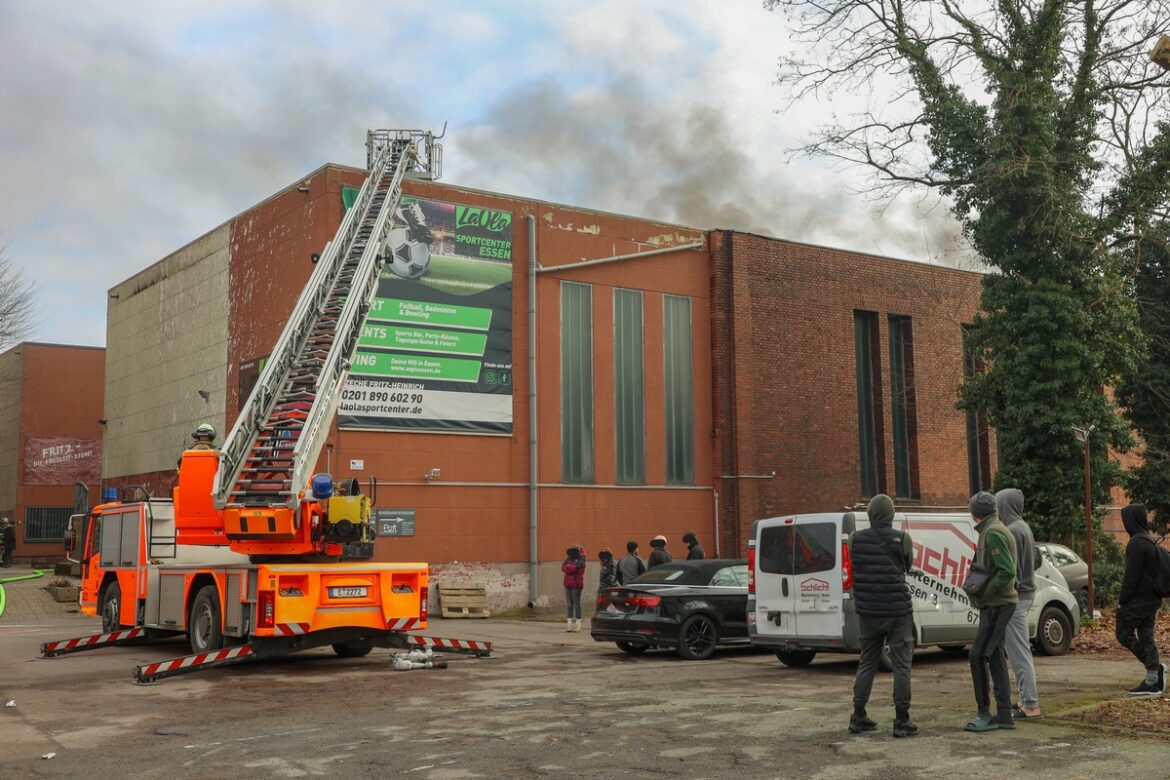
574,569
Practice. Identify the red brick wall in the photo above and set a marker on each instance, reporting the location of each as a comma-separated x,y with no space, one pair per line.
62,394
785,386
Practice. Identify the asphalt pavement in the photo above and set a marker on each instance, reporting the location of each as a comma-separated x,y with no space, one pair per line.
546,704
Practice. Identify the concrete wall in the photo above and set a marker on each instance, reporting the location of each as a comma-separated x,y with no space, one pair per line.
11,369
167,331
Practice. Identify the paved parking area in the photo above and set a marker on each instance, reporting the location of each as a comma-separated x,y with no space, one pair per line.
548,704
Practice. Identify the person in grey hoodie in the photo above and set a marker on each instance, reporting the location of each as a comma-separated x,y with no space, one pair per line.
1010,504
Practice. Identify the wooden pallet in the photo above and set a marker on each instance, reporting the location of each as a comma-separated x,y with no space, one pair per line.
468,601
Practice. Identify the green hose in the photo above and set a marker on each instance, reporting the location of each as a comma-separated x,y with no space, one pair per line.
4,596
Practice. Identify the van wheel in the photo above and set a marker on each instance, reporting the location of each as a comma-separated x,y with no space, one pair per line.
697,638
1054,632
111,609
204,629
796,658
629,648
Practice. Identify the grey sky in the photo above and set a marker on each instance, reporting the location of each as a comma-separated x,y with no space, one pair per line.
132,128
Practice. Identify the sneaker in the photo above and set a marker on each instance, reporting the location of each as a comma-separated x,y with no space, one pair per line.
905,728
858,725
1146,689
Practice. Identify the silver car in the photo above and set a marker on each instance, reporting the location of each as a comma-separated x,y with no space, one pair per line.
1071,566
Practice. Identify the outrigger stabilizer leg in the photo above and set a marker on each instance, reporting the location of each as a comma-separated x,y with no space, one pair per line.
129,636
268,648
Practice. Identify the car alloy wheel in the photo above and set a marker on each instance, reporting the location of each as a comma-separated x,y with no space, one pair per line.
697,638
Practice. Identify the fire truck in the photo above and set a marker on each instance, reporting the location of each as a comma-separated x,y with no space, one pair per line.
253,555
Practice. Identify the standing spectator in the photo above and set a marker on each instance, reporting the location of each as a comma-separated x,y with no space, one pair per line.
695,550
8,538
609,570
997,603
658,554
881,558
574,569
1138,604
632,566
1010,503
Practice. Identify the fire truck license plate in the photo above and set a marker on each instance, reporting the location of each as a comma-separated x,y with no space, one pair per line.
348,593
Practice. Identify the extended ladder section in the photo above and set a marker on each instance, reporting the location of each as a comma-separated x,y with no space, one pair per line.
267,456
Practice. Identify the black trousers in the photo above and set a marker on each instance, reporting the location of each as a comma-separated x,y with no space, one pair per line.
1135,629
989,660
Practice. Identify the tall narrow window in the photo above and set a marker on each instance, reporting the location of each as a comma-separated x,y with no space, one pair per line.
576,382
903,408
978,438
679,391
869,425
629,408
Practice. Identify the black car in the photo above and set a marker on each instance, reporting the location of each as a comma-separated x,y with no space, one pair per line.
690,606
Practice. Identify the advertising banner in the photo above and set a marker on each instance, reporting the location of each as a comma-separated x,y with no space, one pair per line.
436,348
62,460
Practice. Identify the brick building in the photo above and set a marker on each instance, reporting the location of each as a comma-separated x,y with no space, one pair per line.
836,376
675,371
186,338
50,439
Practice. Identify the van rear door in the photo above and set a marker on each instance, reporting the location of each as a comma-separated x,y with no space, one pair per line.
817,576
775,596
798,577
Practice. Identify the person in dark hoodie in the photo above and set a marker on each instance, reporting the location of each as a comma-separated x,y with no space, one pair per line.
1138,604
881,557
996,552
1010,503
695,550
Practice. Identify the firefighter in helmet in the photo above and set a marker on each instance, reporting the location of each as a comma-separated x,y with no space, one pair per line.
203,436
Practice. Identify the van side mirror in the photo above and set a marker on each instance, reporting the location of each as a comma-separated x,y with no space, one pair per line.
1037,559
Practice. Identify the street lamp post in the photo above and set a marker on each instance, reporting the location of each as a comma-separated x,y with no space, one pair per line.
1083,435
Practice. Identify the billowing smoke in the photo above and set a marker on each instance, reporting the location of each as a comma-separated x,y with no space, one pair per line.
616,149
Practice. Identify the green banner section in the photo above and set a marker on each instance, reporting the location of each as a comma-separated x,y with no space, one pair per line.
422,339
422,312
450,369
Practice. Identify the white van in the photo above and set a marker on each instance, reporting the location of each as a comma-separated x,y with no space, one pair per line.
800,599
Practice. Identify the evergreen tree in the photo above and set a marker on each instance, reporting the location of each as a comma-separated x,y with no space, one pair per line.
1035,119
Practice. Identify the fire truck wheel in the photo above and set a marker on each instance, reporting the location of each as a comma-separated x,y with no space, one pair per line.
352,649
111,608
203,626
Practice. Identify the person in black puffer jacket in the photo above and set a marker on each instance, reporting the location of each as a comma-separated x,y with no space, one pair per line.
1137,609
881,558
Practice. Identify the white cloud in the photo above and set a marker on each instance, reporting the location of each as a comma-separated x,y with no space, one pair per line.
136,127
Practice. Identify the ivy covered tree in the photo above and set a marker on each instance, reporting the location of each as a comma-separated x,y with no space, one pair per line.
1145,393
1037,122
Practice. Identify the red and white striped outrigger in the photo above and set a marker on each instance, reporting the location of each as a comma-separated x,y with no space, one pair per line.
291,642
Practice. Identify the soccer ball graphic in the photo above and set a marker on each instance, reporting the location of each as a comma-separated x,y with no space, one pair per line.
407,259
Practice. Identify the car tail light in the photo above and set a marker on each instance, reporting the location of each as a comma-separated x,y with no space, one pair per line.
602,600
751,570
266,609
846,567
640,600
422,604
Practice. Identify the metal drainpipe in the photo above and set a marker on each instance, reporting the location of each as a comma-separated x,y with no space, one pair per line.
533,515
